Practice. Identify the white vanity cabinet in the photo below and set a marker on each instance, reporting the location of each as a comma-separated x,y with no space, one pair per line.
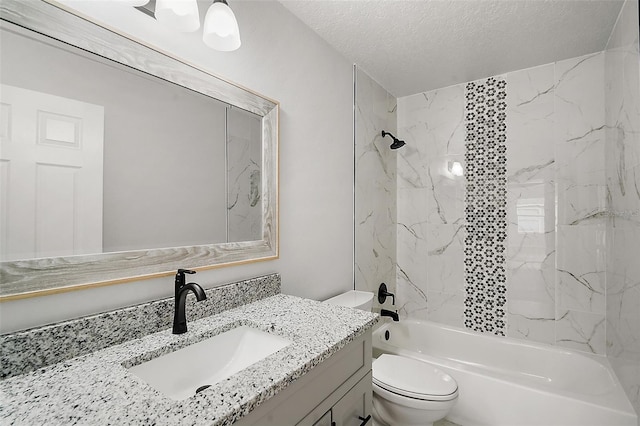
353,409
337,392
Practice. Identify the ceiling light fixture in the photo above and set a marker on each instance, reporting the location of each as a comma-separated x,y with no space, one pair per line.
220,31
181,15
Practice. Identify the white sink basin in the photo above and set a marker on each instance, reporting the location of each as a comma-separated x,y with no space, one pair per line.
179,374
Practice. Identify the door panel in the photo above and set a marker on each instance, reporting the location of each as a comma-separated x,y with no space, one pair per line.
51,154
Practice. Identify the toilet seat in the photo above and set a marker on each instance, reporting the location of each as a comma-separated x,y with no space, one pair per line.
410,378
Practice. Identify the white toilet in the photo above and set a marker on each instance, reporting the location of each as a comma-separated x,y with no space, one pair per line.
406,392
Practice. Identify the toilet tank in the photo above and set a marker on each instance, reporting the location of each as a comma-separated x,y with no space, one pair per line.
353,299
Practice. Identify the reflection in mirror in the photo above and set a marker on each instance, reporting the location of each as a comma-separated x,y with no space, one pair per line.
110,171
107,177
244,159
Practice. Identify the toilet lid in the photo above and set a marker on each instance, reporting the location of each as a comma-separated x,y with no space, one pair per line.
413,378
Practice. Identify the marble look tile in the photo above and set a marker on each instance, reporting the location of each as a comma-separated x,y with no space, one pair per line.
581,266
531,293
446,191
432,124
580,139
623,119
579,97
444,261
532,287
440,112
521,326
412,247
411,296
623,332
530,113
583,331
623,293
622,111
446,308
531,204
375,209
581,204
531,216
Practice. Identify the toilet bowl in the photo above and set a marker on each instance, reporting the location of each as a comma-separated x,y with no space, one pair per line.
406,392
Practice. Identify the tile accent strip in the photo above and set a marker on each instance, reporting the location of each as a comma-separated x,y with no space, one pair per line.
29,350
485,206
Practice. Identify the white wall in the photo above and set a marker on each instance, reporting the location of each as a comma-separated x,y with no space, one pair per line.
282,59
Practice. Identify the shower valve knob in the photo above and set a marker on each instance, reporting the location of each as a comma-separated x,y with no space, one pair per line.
383,294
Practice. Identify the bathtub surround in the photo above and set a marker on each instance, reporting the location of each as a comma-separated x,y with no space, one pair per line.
431,206
622,118
30,350
572,204
548,143
485,206
375,168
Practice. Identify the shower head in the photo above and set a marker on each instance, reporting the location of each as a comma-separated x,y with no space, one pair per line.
397,143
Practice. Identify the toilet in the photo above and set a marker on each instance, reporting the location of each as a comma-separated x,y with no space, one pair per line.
406,391
353,299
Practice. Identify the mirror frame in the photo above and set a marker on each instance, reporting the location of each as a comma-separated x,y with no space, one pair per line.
37,277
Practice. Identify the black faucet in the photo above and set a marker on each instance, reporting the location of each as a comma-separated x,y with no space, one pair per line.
387,313
179,317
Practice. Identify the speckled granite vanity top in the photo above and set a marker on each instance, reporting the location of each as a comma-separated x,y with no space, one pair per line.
96,388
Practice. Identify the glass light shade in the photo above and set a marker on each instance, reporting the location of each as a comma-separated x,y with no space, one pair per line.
220,30
181,15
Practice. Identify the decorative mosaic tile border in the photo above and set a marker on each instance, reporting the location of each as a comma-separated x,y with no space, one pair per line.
29,350
485,206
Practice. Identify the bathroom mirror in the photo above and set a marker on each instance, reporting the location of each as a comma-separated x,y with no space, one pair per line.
139,164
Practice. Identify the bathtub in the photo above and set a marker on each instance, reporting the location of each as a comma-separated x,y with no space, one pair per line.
509,382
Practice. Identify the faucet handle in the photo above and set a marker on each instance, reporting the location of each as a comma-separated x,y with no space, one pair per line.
180,278
383,294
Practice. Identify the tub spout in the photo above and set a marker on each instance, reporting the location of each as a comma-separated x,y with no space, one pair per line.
387,313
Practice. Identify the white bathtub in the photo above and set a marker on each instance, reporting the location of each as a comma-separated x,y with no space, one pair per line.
509,382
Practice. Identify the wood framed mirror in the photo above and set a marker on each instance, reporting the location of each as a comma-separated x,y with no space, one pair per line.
132,222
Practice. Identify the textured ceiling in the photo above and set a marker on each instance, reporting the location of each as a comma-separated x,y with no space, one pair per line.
414,46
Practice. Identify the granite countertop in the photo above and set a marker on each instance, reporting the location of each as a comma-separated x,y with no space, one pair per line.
97,388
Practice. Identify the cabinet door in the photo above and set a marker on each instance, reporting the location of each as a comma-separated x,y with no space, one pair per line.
324,420
355,408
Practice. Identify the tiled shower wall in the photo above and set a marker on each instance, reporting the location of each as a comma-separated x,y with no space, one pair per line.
555,206
622,106
375,206
572,202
